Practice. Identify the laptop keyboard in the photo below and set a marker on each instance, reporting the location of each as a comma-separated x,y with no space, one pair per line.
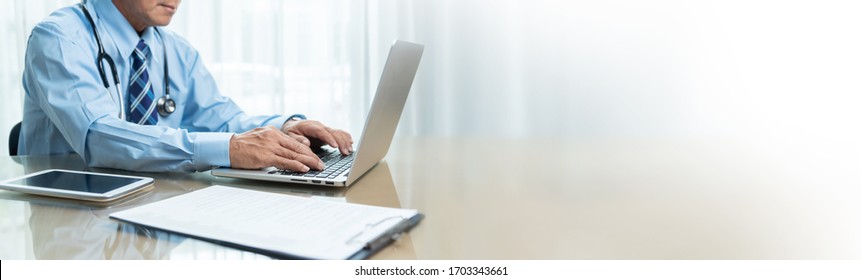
335,165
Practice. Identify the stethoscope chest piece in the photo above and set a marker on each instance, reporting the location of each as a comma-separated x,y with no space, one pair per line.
165,106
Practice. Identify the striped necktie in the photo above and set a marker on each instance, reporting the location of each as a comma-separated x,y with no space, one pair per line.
142,107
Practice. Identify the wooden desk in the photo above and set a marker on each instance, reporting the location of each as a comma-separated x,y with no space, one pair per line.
607,199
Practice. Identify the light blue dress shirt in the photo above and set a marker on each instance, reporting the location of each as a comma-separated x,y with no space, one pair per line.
68,110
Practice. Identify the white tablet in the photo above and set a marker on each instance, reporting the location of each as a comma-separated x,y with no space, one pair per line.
77,184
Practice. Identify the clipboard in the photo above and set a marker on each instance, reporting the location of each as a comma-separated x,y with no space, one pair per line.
371,247
387,238
372,228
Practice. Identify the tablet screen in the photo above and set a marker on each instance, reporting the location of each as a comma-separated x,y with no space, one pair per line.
90,183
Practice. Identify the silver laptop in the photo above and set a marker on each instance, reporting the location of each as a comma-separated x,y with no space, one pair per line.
386,109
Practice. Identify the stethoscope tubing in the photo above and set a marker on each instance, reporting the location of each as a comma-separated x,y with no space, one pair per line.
165,104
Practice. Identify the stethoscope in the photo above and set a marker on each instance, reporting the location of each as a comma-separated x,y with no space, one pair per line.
165,105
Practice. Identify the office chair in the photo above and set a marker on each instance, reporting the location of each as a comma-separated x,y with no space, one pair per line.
13,139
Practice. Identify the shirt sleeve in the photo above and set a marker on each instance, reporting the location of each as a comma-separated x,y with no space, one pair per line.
61,79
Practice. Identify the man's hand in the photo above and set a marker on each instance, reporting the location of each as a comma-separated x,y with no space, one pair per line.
267,146
315,134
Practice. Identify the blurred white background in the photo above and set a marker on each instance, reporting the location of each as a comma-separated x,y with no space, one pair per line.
764,70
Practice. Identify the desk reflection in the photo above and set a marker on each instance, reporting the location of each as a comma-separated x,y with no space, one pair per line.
62,232
68,229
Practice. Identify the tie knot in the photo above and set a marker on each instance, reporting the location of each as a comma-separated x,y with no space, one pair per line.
142,49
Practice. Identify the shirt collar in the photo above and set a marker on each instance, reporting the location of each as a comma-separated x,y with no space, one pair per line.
149,37
124,35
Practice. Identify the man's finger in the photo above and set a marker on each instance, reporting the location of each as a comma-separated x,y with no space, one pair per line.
312,162
342,137
320,132
286,164
295,146
302,139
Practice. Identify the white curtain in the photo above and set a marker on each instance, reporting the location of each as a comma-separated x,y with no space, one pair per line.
275,56
628,69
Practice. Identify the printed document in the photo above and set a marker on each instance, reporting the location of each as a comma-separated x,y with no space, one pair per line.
290,225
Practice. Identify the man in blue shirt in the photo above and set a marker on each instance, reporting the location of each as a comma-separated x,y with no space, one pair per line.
68,109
